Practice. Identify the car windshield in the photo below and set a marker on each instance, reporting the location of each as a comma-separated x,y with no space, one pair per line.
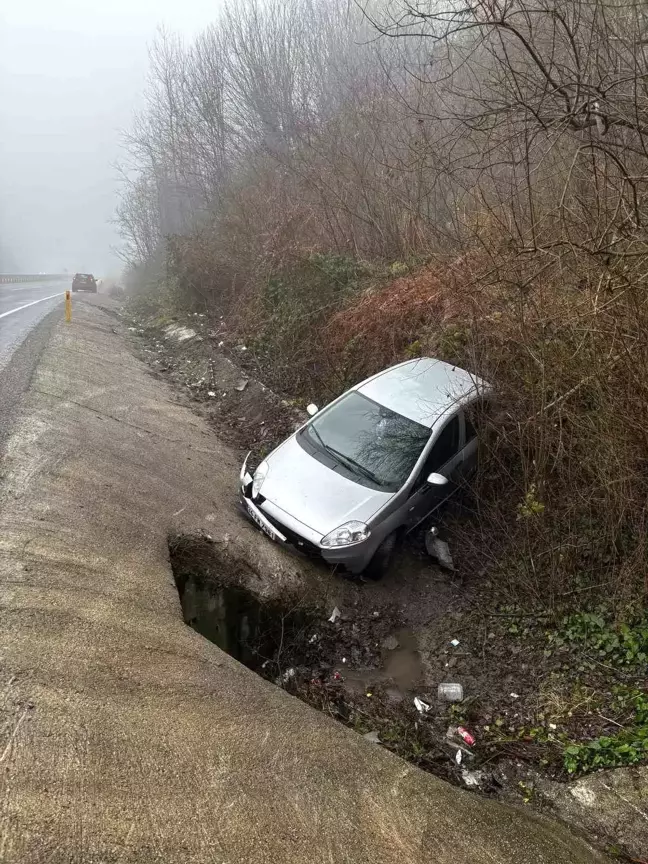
371,441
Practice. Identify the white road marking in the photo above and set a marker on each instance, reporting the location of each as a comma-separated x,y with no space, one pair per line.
33,303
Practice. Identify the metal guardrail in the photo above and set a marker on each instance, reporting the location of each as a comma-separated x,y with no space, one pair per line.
33,277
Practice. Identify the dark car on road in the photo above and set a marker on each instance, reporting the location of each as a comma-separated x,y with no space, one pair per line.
84,282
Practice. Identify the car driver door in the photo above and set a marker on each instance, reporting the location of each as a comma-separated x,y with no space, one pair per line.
444,458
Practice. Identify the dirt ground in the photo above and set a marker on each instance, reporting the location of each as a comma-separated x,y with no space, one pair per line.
420,626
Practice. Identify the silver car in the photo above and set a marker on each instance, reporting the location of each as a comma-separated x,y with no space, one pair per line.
370,466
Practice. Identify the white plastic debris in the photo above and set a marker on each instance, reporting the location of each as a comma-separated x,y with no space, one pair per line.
472,778
211,393
335,615
288,674
313,639
372,737
242,384
220,344
450,691
421,706
458,757
515,695
454,642
181,334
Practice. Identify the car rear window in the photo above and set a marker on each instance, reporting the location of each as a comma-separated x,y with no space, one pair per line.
377,445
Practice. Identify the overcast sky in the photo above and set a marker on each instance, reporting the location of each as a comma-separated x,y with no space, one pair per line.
71,76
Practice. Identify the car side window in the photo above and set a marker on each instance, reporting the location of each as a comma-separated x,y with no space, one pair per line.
445,447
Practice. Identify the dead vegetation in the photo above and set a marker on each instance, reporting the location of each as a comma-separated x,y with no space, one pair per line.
354,184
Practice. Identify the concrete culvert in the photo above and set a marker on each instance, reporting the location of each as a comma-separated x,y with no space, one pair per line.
297,648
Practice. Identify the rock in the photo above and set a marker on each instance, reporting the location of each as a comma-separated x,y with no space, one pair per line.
609,805
613,803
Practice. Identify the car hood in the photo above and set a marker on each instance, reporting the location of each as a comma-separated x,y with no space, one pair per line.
314,494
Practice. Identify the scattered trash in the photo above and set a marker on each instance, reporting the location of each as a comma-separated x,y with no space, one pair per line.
472,778
421,706
391,643
450,692
376,614
372,737
313,639
552,726
368,694
515,695
454,642
454,739
458,756
335,615
220,344
242,384
465,736
264,664
337,677
211,393
344,659
288,674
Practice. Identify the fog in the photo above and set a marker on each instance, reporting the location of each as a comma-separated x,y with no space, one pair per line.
71,76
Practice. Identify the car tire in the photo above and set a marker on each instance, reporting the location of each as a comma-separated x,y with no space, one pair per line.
383,557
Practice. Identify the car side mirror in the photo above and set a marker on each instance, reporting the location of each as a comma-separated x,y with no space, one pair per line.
437,480
312,410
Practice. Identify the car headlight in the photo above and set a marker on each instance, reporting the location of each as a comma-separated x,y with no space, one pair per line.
347,534
259,476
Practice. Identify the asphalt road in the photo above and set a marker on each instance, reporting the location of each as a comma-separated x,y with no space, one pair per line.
22,309
22,306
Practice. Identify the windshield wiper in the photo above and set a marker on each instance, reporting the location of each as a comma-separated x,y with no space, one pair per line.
355,466
312,429
347,460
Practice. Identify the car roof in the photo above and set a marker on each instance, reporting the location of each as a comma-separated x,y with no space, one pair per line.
424,389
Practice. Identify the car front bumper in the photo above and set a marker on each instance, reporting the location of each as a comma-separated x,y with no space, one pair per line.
287,531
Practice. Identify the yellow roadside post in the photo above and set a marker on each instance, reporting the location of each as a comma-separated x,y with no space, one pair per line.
68,307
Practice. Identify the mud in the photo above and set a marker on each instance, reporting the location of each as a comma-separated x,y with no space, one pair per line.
363,669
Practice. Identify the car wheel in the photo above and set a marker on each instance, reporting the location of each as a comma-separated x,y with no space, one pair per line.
383,557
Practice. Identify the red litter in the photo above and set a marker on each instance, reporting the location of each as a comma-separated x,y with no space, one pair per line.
465,735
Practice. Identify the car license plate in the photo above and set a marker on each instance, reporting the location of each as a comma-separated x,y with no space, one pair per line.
261,524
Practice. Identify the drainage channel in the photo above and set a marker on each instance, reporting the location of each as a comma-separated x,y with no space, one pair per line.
264,637
338,668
